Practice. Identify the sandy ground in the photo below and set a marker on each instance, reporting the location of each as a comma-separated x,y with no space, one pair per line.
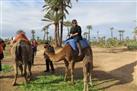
113,68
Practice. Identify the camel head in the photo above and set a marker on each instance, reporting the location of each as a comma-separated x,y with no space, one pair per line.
49,51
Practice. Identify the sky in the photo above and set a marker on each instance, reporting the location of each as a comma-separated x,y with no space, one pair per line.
101,14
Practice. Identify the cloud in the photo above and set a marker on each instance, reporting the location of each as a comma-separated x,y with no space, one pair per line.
27,15
102,16
21,15
101,13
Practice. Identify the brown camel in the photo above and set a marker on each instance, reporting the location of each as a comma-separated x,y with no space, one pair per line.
67,54
22,55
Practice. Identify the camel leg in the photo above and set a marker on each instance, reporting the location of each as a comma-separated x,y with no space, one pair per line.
21,69
29,69
86,72
90,74
16,73
25,72
66,70
72,72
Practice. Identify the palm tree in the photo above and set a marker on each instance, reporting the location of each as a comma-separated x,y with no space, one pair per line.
104,38
64,5
97,36
111,31
58,6
38,38
47,33
50,38
45,30
135,33
127,38
54,19
89,27
51,5
52,15
85,34
121,35
33,34
68,25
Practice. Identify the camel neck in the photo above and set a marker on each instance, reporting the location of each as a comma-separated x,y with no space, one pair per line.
58,56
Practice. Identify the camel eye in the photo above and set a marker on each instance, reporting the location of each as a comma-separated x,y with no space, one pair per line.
45,46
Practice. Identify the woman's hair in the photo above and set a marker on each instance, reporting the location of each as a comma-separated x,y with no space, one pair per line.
1,40
74,21
20,31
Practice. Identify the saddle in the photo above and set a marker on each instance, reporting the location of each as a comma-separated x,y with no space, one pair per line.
84,43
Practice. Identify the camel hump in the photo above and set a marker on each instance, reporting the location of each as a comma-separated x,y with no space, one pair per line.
84,43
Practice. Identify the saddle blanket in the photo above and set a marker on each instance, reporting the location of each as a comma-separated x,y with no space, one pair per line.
84,43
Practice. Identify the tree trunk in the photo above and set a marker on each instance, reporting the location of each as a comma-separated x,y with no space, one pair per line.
58,37
33,36
55,37
47,36
68,32
61,32
111,33
61,25
44,36
122,36
89,35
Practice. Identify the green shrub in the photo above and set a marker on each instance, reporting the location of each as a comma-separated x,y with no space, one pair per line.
132,45
6,68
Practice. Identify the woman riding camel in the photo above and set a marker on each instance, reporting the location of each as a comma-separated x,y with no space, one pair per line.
75,33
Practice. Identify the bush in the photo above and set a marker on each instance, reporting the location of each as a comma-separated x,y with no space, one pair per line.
132,45
112,42
6,68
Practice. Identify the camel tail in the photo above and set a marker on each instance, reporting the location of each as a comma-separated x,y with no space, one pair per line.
18,52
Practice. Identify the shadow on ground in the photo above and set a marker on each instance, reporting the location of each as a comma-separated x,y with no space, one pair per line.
121,75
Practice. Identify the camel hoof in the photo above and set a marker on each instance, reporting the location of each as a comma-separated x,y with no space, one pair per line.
29,79
14,84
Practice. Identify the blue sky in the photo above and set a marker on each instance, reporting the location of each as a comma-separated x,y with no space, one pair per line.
101,14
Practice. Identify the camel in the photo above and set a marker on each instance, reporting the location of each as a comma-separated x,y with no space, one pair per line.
68,55
22,55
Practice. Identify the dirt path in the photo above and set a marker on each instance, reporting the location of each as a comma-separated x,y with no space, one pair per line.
113,70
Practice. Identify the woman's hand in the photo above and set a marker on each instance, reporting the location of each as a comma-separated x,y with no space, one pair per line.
72,35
